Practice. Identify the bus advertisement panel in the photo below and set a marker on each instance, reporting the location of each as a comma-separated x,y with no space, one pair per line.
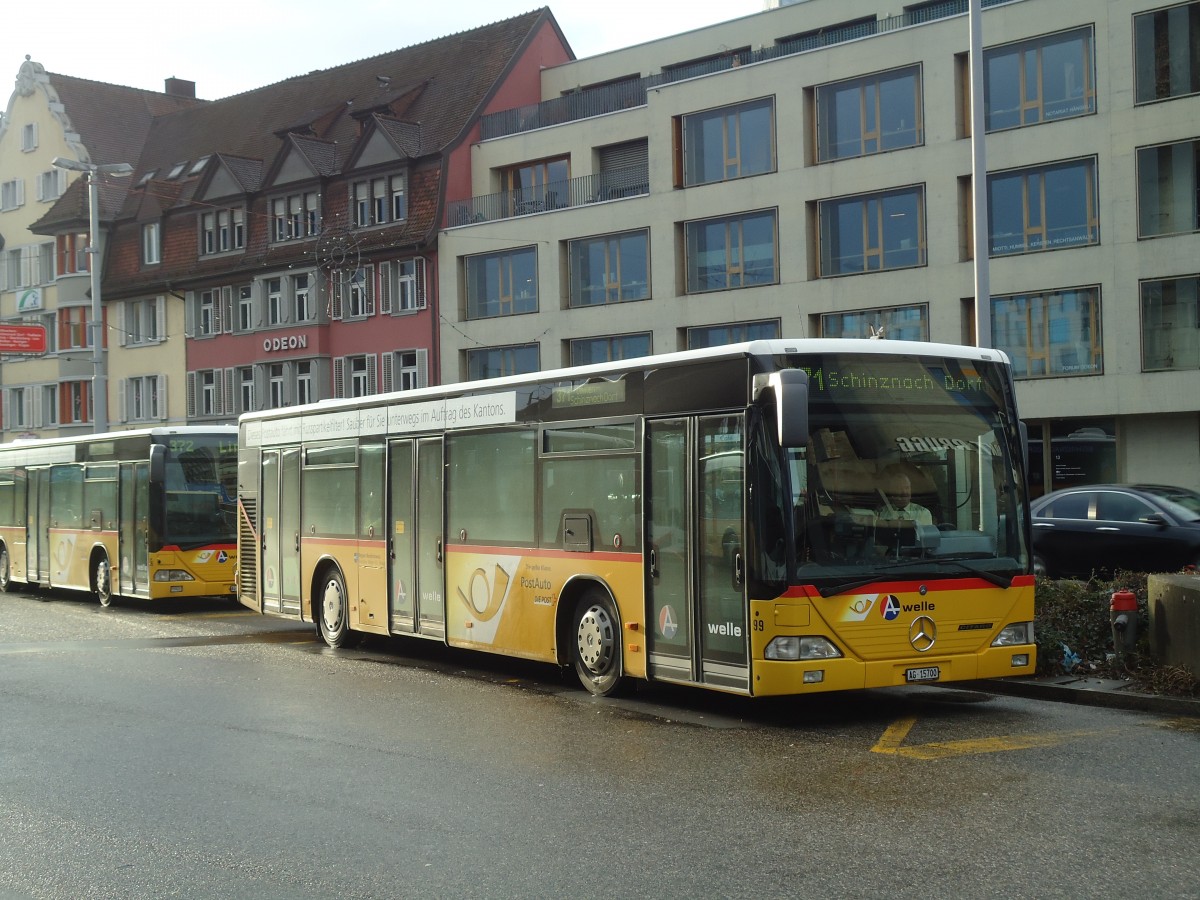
777,517
144,514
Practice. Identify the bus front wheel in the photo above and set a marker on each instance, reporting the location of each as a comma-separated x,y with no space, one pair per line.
335,610
4,566
596,648
102,579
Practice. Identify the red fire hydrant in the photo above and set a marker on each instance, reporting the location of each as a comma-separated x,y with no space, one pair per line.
1122,614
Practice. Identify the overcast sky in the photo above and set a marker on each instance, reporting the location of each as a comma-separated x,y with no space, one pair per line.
230,46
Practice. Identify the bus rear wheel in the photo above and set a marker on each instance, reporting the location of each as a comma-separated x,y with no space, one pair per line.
102,579
596,648
335,610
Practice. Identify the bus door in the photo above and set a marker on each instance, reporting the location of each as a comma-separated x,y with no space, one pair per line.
371,558
280,516
696,578
402,533
431,610
133,554
37,527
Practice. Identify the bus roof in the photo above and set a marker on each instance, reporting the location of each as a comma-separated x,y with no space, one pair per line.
155,431
759,348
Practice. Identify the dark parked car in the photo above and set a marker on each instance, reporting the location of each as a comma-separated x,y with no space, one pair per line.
1105,527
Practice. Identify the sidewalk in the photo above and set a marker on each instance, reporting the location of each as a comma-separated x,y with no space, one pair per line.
1110,692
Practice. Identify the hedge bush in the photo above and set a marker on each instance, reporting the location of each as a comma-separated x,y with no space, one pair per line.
1074,634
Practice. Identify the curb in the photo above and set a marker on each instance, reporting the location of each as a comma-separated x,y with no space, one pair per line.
1107,693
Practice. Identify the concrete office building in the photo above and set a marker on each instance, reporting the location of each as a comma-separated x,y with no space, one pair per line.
806,171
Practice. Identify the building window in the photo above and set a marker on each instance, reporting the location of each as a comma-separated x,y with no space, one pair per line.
356,294
495,362
274,288
872,232
730,142
720,335
354,376
1166,53
402,286
536,186
71,253
75,402
73,330
144,321
12,194
302,305
1039,80
16,412
29,266
295,216
51,185
151,251
246,389
502,284
1051,334
277,385
29,137
733,252
1043,208
869,115
899,323
608,349
245,308
222,230
405,370
145,398
609,269
205,393
378,201
1168,189
208,314
1171,324
304,382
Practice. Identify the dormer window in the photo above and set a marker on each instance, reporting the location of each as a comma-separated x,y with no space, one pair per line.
222,230
295,216
176,170
379,201
198,166
145,179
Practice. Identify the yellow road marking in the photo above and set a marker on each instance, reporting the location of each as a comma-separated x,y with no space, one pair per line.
893,739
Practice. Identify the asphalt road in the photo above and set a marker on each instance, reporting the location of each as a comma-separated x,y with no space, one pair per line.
207,752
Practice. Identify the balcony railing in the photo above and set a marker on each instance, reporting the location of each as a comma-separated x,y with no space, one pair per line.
627,94
629,181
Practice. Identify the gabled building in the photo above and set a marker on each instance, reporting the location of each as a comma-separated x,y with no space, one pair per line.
45,275
281,244
806,172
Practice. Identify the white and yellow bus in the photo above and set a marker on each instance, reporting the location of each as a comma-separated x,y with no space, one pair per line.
710,518
147,514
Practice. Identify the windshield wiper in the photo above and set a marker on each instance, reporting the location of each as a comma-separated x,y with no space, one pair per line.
839,587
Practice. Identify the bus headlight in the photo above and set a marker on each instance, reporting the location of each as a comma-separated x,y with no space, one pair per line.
173,575
1016,633
796,648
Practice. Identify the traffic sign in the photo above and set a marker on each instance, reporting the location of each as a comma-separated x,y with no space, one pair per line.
22,339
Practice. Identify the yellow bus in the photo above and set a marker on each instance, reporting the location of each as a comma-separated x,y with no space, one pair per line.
147,514
712,518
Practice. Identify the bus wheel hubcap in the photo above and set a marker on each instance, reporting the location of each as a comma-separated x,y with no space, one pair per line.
595,640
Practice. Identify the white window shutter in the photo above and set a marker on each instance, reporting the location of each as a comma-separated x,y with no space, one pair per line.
420,279
422,368
123,400
160,317
339,376
122,331
226,320
230,392
191,395
369,291
388,361
162,396
372,375
337,291
385,295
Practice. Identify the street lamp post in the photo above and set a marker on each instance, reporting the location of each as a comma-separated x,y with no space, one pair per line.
99,375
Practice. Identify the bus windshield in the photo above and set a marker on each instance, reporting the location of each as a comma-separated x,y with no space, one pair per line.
200,491
913,468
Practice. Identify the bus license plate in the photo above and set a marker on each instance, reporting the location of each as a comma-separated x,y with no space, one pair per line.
929,673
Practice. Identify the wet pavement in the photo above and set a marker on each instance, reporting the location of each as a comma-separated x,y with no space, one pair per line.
1114,693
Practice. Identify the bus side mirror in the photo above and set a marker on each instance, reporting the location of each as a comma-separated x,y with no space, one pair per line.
158,463
791,406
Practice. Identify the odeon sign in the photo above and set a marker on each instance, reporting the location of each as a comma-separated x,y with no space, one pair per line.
291,342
